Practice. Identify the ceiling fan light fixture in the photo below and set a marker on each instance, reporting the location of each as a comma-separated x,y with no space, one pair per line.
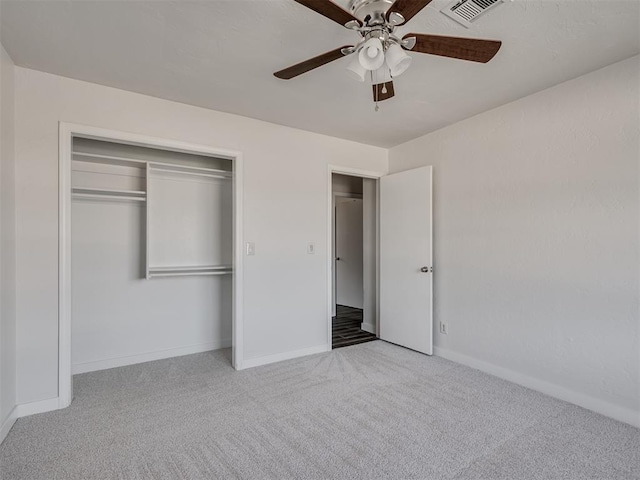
397,60
371,56
355,70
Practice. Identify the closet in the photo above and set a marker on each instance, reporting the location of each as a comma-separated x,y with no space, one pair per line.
151,254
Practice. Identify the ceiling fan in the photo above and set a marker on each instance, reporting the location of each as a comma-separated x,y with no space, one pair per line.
380,55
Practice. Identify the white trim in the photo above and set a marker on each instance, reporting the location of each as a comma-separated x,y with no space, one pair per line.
560,392
65,378
331,256
330,199
279,357
97,133
369,327
430,167
8,423
356,172
377,319
237,327
42,406
147,219
66,133
115,362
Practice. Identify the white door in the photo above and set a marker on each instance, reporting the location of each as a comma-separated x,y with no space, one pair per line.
405,259
349,252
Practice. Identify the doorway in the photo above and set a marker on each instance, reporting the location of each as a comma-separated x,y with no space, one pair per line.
397,254
354,220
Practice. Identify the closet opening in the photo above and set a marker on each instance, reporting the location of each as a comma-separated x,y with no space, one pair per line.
354,254
149,264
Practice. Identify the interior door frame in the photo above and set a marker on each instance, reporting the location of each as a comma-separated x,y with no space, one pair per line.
354,172
67,131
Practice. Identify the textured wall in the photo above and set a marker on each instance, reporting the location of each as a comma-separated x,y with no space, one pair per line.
7,240
285,207
536,215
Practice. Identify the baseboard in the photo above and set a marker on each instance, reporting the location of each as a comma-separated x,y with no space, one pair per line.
42,406
369,327
602,407
8,423
279,357
107,363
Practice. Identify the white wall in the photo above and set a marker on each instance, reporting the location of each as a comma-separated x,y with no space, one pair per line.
119,317
285,170
7,246
536,213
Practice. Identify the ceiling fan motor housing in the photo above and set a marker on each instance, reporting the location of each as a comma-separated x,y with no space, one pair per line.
370,12
375,24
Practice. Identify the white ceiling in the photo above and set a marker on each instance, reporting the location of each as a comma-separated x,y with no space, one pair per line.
221,55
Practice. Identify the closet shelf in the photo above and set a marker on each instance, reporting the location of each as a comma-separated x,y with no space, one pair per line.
189,271
187,170
106,193
158,166
109,159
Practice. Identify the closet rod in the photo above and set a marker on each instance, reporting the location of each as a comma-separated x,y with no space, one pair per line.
197,174
185,274
108,191
188,168
190,269
110,159
177,166
134,172
110,197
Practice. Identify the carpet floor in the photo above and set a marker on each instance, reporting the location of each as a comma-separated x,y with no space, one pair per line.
371,411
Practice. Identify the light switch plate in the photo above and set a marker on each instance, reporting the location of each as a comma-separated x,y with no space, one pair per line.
251,248
311,248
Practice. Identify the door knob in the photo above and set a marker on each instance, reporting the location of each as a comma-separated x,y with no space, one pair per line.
426,269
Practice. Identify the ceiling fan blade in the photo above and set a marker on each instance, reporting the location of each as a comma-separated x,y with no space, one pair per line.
383,91
472,49
408,8
329,10
308,65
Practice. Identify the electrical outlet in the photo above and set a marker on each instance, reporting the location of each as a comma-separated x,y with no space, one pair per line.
443,328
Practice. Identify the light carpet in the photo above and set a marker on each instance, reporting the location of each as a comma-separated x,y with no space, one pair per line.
370,411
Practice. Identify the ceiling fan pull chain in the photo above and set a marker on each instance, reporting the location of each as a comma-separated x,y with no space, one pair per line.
384,87
375,92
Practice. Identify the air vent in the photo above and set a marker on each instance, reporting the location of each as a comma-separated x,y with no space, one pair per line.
466,11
